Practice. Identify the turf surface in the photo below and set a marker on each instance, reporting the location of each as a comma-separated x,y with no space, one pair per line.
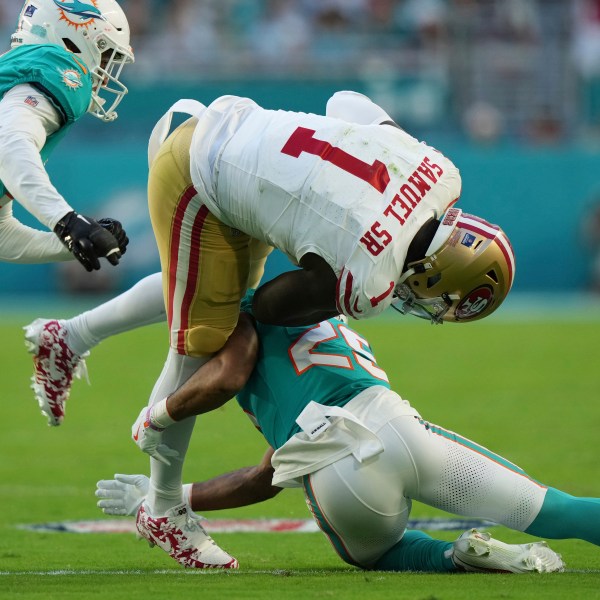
527,390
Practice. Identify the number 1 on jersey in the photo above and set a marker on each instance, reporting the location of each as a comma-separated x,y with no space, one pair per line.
303,140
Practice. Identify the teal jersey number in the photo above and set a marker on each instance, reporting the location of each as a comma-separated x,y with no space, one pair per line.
328,363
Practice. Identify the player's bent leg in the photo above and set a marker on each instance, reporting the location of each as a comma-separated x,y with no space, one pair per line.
55,364
205,264
459,476
360,508
59,346
212,272
140,305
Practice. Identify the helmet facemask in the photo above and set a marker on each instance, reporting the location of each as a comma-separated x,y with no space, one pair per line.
107,89
466,274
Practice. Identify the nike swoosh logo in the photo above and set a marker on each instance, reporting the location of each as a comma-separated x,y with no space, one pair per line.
136,435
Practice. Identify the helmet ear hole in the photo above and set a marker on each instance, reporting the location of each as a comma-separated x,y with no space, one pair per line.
431,281
493,276
71,46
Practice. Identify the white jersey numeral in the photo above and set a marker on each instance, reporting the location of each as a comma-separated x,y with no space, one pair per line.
304,352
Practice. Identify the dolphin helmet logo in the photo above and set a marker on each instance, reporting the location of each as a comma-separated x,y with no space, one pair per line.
78,14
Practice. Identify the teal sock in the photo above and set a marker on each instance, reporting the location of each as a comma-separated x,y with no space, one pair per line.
564,516
417,551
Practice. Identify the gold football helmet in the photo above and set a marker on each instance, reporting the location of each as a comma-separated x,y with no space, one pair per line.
466,274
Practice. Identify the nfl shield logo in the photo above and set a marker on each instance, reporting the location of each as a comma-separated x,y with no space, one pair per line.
30,10
468,240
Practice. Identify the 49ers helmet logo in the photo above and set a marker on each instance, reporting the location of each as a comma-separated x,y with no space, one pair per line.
78,14
474,303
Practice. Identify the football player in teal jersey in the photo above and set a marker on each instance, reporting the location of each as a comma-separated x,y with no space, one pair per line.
360,452
66,60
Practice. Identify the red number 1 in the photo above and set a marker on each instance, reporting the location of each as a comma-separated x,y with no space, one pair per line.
302,140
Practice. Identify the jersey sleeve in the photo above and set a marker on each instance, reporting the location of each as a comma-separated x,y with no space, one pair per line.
27,120
58,74
22,244
362,294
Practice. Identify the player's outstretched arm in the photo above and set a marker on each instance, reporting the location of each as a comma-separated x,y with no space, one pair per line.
245,486
124,494
28,119
298,298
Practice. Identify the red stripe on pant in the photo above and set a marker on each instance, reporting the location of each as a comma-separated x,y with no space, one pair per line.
192,277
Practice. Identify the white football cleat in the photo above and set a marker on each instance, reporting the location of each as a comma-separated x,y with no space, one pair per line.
477,552
181,536
54,365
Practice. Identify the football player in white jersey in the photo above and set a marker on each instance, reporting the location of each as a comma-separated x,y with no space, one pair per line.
362,207
360,452
328,225
66,59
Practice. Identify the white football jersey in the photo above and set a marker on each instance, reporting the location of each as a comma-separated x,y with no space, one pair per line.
355,195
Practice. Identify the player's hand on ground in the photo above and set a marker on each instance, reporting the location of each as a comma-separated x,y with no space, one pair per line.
116,228
148,438
122,495
89,241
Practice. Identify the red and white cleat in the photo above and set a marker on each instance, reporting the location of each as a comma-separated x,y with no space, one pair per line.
54,364
181,536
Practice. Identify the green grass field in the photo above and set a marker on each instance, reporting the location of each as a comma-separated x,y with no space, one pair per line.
528,390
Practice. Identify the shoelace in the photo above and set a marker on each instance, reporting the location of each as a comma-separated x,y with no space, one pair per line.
192,521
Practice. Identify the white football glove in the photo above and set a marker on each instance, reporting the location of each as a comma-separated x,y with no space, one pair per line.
122,495
148,437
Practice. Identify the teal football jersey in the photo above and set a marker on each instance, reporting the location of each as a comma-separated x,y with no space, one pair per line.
59,75
328,363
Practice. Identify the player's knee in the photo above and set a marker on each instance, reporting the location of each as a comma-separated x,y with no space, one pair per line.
203,340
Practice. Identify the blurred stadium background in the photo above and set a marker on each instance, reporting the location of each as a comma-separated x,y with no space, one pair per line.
509,89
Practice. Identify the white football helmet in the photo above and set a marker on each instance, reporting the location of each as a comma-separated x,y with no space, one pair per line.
466,274
95,31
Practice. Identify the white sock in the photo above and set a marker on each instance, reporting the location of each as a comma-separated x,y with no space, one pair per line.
165,492
143,304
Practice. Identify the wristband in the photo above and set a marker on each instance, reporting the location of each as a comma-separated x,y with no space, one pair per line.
159,415
186,490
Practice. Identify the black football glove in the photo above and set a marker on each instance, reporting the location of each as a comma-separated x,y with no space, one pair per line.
117,230
87,240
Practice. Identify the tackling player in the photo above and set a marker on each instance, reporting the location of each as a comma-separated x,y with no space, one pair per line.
66,59
360,452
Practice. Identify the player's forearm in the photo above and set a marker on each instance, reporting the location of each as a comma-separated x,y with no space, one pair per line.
221,378
243,487
22,244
